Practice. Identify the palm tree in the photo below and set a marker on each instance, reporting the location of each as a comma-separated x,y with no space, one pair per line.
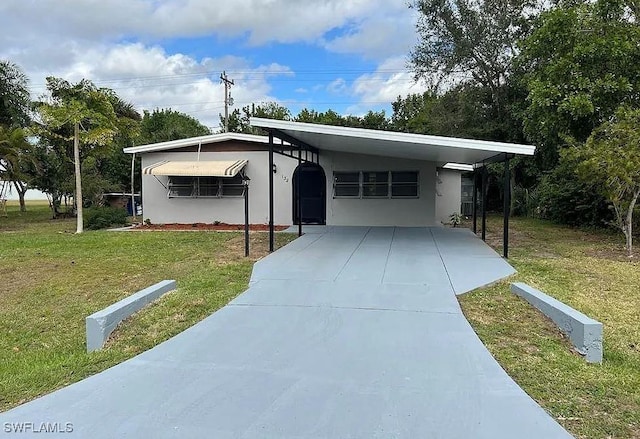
89,112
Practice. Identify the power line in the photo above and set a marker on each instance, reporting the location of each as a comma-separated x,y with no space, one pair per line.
308,76
248,72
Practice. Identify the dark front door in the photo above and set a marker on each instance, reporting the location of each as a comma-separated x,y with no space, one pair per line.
309,186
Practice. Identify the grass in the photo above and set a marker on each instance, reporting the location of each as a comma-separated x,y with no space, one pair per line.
52,279
589,271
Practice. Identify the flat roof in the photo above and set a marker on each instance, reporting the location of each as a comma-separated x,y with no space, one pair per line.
442,150
195,141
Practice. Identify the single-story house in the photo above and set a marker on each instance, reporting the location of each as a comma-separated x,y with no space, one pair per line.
323,174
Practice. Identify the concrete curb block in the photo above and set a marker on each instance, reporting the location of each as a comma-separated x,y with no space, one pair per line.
584,332
101,324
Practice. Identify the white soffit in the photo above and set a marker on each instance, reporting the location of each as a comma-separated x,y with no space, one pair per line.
441,150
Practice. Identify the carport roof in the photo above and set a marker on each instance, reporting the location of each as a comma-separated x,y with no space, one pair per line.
442,150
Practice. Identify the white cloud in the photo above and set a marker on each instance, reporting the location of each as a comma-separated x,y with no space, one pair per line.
262,20
390,80
113,41
337,86
150,78
383,33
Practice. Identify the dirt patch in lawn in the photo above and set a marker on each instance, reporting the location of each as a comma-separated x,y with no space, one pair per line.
207,226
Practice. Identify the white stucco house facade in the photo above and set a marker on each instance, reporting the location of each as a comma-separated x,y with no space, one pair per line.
341,176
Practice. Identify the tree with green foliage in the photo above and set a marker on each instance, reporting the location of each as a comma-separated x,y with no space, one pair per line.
373,120
581,63
472,41
413,113
239,119
53,174
328,117
104,166
15,104
563,198
15,100
164,125
611,157
467,48
88,111
111,163
15,161
463,111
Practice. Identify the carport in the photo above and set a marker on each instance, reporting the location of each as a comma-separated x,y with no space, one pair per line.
307,141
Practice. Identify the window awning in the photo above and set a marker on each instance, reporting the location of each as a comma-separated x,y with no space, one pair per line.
196,169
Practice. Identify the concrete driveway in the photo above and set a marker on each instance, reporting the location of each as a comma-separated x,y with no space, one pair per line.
344,333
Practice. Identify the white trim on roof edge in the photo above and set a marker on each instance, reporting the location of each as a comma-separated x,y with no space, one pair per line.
392,136
195,141
458,167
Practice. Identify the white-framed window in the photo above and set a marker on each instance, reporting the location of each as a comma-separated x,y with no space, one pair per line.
346,184
205,187
376,184
404,184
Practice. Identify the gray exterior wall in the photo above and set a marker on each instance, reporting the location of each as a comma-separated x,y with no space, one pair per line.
427,210
160,209
448,194
380,212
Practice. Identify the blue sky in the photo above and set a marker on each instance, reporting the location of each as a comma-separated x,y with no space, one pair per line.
347,55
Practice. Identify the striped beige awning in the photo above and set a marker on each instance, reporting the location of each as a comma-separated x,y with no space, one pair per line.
196,169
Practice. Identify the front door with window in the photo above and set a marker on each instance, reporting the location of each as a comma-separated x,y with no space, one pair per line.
309,182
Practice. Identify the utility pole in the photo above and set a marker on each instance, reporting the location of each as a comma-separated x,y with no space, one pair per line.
228,100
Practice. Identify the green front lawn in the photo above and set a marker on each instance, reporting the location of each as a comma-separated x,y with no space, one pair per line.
590,272
52,279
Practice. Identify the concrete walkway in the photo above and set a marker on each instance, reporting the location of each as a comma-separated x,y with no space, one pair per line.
344,333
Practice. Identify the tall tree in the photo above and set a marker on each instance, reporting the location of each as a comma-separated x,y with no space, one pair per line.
611,156
467,48
166,125
90,114
113,165
14,95
470,41
581,63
